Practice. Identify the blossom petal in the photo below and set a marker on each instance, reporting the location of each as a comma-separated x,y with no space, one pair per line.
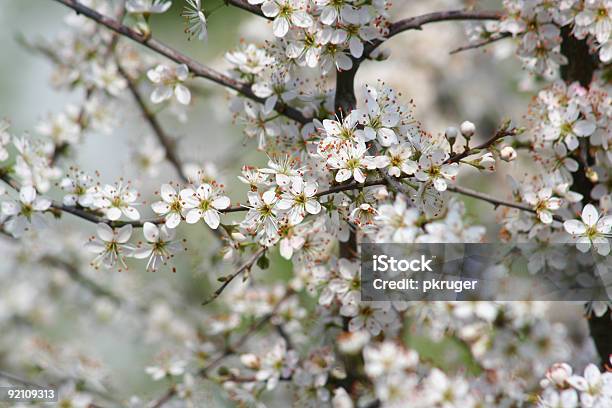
574,227
212,218
590,215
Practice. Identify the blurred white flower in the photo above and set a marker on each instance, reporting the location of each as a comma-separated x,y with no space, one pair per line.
169,81
26,213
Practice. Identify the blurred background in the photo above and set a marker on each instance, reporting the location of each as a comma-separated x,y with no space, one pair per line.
483,86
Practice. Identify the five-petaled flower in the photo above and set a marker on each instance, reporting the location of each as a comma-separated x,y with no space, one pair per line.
205,202
168,81
160,245
25,213
111,246
591,230
299,200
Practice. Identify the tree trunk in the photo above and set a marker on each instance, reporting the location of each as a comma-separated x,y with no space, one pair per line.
580,67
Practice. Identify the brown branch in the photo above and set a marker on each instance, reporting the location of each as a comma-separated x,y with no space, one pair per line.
243,4
417,23
195,67
502,132
161,401
97,218
228,279
481,43
162,137
204,372
495,201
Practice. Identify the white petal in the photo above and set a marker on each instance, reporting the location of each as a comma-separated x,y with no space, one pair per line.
124,233
173,220
161,93
150,232
359,176
113,213
284,204
301,19
105,232
574,227
193,216
280,26
168,193
343,175
212,219
27,194
590,215
131,213
270,9
584,127
583,244
160,207
602,245
183,95
313,207
221,203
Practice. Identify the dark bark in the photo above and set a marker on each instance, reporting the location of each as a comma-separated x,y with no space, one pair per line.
344,102
580,67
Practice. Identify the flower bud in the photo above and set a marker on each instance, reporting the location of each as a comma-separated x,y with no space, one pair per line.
451,133
467,129
487,161
592,175
507,153
558,373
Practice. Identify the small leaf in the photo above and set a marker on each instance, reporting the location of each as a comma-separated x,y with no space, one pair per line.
263,262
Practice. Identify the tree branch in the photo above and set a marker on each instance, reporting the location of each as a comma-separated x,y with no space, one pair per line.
204,372
502,132
580,67
195,67
495,201
97,218
228,279
162,137
482,43
245,5
417,23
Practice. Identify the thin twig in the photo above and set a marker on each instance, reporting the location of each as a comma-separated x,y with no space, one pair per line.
205,371
417,23
495,201
162,137
228,279
501,133
481,43
245,5
168,395
195,67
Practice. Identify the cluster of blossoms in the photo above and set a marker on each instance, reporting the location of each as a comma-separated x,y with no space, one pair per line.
539,26
563,388
338,172
568,134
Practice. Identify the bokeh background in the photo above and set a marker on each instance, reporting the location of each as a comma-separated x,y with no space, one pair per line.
483,86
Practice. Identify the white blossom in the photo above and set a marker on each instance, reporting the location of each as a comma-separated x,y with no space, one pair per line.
27,213
111,246
591,230
169,81
204,203
160,246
